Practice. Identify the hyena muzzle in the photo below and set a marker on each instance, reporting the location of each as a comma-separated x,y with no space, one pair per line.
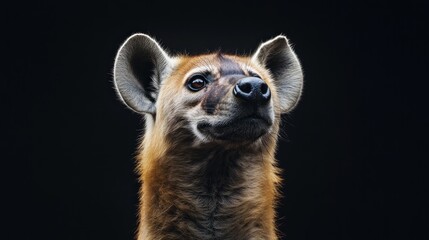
206,160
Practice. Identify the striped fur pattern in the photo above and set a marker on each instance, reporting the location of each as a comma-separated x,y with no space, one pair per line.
207,169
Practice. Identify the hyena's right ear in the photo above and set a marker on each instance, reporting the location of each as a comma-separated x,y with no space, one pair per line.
140,66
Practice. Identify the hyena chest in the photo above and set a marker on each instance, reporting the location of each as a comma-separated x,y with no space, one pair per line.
218,203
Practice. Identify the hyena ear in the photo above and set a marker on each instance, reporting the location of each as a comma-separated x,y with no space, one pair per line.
277,56
140,66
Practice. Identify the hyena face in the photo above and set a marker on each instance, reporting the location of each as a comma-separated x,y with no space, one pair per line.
222,98
216,97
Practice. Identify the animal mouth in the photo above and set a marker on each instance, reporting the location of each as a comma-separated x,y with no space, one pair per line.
247,128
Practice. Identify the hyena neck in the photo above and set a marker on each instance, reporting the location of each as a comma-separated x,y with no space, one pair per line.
210,193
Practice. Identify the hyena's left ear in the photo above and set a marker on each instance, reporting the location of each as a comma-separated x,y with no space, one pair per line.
277,56
140,66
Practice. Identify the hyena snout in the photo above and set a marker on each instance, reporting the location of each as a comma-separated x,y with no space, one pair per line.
253,90
243,114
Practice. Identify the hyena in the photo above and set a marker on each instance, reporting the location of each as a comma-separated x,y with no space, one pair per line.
206,160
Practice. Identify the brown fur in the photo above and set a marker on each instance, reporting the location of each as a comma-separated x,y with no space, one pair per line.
175,203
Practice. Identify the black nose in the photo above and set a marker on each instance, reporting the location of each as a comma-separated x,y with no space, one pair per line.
252,89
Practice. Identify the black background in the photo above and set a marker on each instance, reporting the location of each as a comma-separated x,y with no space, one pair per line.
355,155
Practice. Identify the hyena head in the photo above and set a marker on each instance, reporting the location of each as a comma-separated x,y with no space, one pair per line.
210,99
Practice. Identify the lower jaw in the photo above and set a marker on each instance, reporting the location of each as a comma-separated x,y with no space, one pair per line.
244,130
236,135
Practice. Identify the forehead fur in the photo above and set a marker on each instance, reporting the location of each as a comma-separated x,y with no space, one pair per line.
218,64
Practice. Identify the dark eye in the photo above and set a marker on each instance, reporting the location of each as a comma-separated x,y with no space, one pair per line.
197,82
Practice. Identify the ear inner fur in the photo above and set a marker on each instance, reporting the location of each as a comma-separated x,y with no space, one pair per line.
134,86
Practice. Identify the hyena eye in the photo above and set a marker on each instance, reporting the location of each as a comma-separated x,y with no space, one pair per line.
196,82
